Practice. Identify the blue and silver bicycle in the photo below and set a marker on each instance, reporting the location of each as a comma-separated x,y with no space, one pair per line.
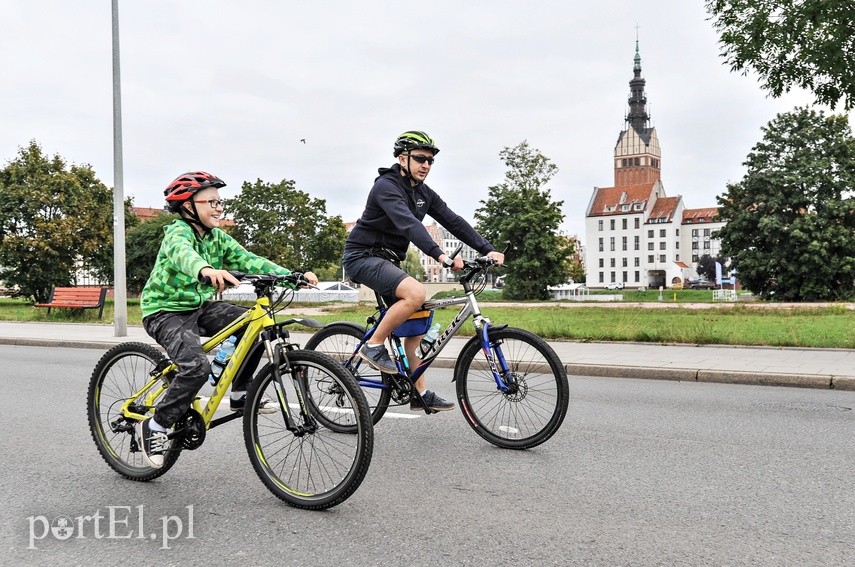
511,386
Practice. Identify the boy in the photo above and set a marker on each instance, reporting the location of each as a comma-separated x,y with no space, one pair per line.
178,309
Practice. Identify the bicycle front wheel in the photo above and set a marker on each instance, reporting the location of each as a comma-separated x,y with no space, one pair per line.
122,372
340,341
322,463
536,403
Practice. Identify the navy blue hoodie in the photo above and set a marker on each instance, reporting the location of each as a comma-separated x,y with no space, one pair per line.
394,213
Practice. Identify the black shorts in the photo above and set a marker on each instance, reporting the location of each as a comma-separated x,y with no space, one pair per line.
380,274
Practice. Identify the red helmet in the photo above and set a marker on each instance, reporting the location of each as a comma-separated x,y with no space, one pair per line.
188,184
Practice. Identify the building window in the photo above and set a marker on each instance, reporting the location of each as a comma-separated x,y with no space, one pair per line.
677,244
637,243
637,161
624,243
694,245
694,233
677,258
637,276
661,232
637,220
600,225
637,262
650,259
694,257
612,243
601,262
649,234
662,258
611,262
662,246
613,277
706,233
623,222
650,246
601,244
602,279
677,232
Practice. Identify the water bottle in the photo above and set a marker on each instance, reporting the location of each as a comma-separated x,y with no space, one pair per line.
224,353
429,338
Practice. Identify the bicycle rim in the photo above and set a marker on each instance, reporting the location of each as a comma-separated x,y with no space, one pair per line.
324,466
340,342
535,408
121,372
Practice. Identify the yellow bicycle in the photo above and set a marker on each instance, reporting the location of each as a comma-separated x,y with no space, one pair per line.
313,453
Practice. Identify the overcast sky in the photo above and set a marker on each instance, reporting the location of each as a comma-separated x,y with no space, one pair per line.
232,87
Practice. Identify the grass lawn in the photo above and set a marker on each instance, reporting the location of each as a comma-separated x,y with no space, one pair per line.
830,327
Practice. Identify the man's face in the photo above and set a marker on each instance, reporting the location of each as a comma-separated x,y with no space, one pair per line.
410,161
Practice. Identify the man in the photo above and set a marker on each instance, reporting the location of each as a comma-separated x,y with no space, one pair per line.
394,211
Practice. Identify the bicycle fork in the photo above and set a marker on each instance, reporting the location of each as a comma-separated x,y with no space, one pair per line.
277,356
502,374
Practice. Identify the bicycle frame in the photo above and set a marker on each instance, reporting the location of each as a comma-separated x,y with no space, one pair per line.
499,368
255,321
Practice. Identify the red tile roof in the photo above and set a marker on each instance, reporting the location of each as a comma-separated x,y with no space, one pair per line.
691,216
664,208
608,200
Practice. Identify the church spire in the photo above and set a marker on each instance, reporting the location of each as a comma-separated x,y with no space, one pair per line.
637,117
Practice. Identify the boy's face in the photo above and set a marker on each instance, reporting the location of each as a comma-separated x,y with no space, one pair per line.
209,205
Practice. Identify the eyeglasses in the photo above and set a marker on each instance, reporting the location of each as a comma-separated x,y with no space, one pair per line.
422,159
214,203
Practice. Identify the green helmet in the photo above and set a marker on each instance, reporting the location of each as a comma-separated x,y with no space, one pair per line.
414,140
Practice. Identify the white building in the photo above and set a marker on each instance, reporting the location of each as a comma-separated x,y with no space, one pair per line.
634,233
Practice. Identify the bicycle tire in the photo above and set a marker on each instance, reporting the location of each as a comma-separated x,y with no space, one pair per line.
340,340
121,372
322,467
526,417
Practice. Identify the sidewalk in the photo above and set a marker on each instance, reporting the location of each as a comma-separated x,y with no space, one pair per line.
809,368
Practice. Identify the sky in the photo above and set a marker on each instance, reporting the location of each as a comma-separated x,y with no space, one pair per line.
233,87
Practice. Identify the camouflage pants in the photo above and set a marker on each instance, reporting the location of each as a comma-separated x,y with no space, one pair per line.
179,333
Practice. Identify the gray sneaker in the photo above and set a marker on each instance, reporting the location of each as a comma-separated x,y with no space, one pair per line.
432,401
378,358
152,443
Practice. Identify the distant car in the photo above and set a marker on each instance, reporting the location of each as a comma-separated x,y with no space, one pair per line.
702,284
615,285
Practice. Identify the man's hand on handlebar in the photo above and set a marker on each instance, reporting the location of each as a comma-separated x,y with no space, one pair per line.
498,257
219,279
311,278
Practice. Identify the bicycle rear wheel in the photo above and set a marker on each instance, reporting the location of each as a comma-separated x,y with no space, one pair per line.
120,373
340,341
325,462
537,403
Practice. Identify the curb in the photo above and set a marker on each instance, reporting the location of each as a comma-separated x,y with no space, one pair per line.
824,382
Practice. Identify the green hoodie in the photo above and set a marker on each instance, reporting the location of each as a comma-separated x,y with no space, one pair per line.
174,282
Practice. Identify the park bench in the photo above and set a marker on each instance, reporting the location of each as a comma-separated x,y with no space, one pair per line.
76,298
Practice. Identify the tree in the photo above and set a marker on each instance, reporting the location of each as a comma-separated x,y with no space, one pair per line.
52,218
809,44
412,264
143,243
521,211
284,224
706,266
791,220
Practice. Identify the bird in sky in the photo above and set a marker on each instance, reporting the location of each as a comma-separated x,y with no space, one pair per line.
303,140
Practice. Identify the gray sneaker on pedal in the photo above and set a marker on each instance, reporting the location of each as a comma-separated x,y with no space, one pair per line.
432,401
378,358
153,443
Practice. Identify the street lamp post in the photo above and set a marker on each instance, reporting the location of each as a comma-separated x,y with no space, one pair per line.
120,298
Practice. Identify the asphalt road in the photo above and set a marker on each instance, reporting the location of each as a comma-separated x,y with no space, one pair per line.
643,472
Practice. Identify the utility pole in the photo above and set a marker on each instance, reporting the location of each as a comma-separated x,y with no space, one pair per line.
120,292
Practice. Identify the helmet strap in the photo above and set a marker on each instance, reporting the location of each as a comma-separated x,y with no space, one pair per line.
409,175
191,217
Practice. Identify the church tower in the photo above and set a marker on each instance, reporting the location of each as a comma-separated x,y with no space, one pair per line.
637,155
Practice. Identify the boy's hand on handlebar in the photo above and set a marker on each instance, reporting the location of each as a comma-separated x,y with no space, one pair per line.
498,257
219,279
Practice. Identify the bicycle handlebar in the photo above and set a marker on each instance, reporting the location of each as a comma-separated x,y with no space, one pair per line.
294,278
